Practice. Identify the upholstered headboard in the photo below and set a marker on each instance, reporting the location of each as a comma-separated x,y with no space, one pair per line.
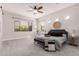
58,32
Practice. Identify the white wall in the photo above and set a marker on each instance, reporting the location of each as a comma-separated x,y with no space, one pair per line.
70,24
8,27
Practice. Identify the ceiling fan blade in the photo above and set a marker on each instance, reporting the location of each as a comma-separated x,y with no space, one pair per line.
40,11
31,7
30,10
41,7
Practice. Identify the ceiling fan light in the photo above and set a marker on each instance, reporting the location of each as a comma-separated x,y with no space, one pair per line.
35,11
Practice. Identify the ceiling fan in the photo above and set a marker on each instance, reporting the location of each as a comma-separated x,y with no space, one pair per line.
36,9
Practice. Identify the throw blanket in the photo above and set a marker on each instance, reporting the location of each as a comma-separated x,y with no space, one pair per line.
58,41
57,45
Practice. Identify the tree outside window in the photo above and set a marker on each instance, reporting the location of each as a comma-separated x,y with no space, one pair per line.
22,26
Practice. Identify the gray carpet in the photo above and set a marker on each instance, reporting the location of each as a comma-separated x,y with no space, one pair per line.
26,47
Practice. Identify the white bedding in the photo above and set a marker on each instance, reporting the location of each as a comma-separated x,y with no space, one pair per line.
59,39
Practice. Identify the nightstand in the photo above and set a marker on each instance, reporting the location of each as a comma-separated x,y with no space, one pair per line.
72,41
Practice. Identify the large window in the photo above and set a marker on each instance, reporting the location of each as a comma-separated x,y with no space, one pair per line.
41,27
22,25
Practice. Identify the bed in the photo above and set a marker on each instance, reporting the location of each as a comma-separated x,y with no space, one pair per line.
56,37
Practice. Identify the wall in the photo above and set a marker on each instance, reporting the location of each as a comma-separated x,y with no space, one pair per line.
8,27
70,24
1,24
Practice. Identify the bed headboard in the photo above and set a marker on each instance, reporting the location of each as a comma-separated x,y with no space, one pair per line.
58,32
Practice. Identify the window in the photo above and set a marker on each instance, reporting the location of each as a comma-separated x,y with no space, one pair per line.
22,25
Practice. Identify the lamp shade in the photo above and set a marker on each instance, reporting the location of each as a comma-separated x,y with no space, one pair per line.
73,33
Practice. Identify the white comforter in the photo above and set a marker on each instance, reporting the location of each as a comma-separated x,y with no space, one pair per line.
59,39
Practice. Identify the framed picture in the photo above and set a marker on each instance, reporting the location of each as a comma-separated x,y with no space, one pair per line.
57,24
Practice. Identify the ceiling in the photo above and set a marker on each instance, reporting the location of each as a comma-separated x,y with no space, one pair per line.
21,8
